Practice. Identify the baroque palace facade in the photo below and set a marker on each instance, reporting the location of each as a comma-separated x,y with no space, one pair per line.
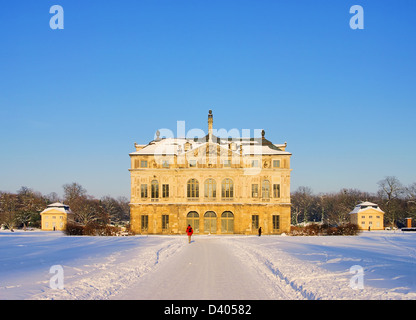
217,185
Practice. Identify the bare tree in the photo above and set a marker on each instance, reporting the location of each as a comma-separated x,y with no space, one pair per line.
118,209
302,201
8,205
390,190
30,204
73,191
88,210
113,208
335,210
53,197
125,207
410,192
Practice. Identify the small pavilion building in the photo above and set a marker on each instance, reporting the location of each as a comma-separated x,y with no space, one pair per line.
368,216
55,217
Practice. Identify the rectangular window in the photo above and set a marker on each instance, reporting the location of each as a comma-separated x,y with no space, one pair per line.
192,189
154,189
276,190
254,163
210,189
227,189
143,164
265,190
143,190
144,222
227,163
276,163
165,222
165,164
254,190
165,190
276,222
255,222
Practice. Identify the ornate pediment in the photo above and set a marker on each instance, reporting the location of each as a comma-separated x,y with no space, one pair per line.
211,152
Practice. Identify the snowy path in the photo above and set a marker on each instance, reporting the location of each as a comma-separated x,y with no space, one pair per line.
211,267
206,269
95,268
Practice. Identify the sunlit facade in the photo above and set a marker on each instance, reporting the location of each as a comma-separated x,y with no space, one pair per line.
217,185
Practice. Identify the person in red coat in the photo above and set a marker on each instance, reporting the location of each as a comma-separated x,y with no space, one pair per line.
189,232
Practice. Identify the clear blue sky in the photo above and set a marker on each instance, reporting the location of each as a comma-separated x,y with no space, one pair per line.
74,101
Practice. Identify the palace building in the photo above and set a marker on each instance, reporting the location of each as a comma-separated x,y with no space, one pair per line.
218,185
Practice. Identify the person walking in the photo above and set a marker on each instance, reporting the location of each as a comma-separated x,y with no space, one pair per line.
259,231
189,232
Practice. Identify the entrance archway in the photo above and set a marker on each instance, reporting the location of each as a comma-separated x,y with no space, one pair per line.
227,222
192,218
210,222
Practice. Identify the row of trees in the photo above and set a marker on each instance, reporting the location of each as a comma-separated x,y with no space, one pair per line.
396,200
22,209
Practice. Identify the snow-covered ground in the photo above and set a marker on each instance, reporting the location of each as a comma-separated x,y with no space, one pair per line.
373,265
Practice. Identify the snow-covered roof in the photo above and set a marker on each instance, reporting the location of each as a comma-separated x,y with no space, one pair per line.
367,203
365,206
246,146
177,146
56,205
59,207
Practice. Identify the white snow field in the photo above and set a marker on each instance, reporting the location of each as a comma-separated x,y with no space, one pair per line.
372,266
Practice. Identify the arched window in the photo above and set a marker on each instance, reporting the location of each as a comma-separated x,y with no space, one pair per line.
210,222
192,188
210,188
265,189
192,218
227,222
155,189
227,188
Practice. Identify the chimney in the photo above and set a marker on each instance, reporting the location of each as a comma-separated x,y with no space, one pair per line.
210,121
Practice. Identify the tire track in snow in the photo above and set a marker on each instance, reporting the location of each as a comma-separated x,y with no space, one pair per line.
303,278
104,279
278,281
298,279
